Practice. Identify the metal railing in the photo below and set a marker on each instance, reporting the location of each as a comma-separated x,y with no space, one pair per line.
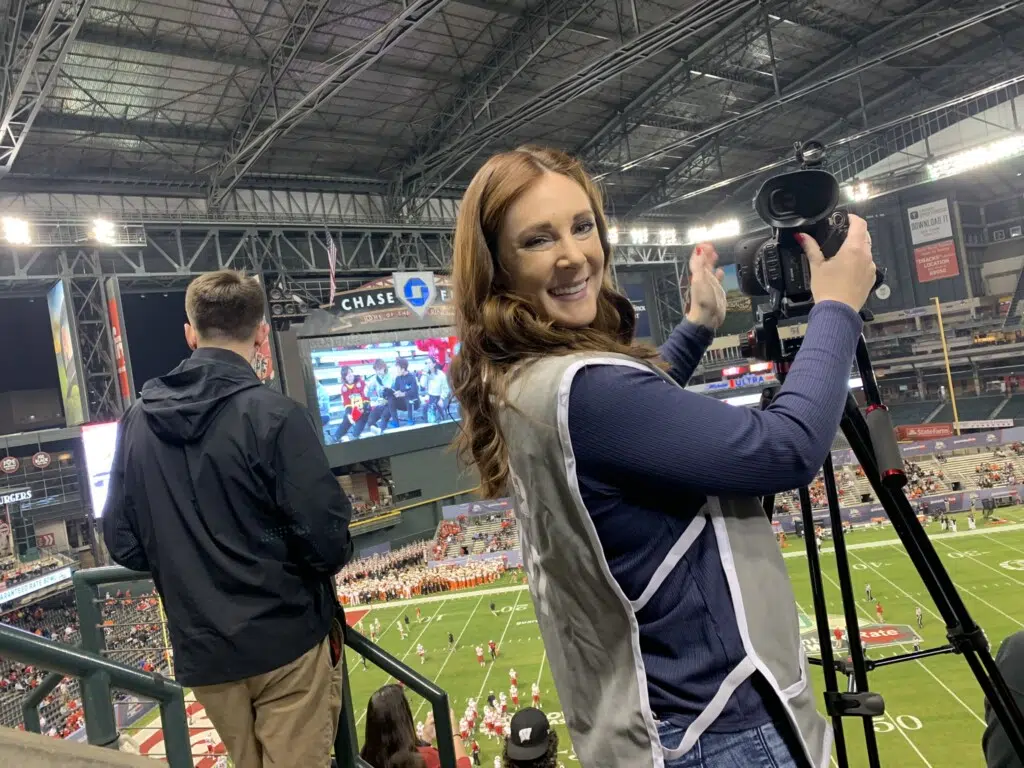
97,675
101,725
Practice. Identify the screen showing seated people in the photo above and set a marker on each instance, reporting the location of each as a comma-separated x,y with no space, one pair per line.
368,390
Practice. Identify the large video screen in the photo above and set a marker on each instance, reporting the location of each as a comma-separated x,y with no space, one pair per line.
99,442
367,390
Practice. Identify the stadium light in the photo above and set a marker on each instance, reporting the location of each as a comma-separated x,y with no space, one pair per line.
667,236
613,235
719,231
968,160
16,231
103,231
639,235
858,192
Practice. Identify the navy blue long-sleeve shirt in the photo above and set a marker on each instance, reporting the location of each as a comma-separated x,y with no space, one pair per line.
647,455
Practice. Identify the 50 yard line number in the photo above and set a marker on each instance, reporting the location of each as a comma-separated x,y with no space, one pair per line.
903,722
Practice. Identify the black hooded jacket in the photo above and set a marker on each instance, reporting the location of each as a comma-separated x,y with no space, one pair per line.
221,489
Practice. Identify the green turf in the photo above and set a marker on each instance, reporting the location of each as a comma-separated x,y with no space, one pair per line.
934,711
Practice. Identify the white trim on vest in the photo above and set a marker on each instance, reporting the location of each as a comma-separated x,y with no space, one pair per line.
569,459
732,577
740,673
683,543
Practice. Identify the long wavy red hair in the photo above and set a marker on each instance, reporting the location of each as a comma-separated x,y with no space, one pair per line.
499,329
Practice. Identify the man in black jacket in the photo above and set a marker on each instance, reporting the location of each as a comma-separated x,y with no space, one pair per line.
221,489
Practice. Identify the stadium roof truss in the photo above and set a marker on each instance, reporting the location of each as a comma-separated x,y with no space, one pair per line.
207,100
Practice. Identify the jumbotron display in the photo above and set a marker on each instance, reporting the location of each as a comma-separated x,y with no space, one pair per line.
368,390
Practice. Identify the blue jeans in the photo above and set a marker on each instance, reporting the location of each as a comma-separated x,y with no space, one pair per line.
762,747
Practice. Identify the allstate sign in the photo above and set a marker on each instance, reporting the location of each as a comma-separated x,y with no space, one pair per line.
416,290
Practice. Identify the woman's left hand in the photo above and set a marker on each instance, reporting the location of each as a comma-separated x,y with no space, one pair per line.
707,295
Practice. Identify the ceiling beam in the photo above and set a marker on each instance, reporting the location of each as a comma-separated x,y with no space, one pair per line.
816,79
473,104
232,168
37,65
432,172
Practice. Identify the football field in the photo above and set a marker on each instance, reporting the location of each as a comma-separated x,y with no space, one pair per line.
934,708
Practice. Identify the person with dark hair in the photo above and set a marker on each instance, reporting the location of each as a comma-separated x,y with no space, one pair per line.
531,742
390,737
407,391
220,488
651,562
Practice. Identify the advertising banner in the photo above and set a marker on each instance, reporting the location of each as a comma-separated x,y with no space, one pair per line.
930,221
28,587
474,508
99,442
908,432
637,295
377,306
936,261
956,501
120,343
65,347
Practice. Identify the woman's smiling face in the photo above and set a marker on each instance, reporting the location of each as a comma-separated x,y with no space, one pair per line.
551,247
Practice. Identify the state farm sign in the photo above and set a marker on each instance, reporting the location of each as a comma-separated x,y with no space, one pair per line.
923,431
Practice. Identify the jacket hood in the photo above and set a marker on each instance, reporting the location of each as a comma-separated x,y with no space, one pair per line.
181,405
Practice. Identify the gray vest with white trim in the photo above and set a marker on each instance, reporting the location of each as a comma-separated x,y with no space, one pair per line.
589,626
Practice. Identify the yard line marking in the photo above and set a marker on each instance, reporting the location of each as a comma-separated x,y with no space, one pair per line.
986,565
451,652
1004,544
920,663
501,640
886,714
426,626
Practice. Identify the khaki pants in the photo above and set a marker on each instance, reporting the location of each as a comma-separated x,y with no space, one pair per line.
281,719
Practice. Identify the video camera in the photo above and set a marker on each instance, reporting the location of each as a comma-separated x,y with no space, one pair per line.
803,201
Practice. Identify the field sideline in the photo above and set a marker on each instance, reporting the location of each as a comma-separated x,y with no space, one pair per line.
934,709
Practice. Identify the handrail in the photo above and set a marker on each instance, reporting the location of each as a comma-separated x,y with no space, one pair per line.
86,583
398,510
98,674
346,742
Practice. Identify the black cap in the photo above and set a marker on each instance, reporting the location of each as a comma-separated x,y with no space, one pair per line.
528,735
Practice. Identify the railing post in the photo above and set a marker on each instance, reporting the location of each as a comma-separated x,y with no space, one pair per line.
98,708
97,701
30,704
346,742
174,721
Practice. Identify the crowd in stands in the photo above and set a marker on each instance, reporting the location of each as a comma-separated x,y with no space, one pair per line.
133,635
920,481
379,565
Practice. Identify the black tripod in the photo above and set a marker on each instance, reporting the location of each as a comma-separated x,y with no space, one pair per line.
874,444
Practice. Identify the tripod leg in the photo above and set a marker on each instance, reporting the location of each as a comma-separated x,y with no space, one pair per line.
860,674
965,636
821,619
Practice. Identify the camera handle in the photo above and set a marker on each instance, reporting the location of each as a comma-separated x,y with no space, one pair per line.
874,445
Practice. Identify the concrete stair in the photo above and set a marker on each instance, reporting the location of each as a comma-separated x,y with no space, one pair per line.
29,750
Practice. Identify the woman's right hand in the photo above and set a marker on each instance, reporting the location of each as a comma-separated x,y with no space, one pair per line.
848,276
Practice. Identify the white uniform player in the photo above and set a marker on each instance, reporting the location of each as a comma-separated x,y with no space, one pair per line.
536,695
513,677
422,653
503,701
514,693
480,655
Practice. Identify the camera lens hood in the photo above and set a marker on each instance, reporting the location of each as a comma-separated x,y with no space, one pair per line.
798,199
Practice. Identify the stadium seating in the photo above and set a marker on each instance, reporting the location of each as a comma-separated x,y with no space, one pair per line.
1013,409
911,413
970,408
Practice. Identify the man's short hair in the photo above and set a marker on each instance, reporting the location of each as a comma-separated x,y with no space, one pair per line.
225,304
